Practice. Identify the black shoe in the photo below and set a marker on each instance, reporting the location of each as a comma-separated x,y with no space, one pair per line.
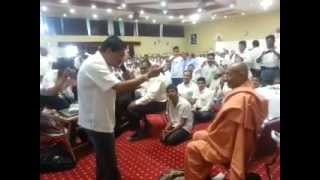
137,136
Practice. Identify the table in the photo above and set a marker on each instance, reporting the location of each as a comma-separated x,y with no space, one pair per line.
272,94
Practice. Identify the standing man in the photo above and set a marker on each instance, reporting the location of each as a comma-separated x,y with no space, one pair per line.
270,62
254,54
97,88
176,67
210,68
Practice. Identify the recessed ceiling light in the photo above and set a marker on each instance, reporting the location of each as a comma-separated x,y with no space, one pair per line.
130,16
95,16
265,4
147,17
72,11
171,17
199,10
44,8
231,5
165,11
154,21
225,17
194,17
141,12
93,6
64,1
163,3
64,15
243,13
181,16
109,10
120,19
123,5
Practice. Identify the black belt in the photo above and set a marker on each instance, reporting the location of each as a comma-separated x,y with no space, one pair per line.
263,67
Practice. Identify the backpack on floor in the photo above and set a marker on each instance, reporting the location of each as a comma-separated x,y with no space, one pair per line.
55,158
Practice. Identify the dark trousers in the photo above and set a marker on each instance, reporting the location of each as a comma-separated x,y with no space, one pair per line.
177,137
268,75
106,161
138,112
202,116
256,73
54,102
176,81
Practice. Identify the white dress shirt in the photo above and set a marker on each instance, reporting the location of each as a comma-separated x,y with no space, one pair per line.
176,67
49,81
96,96
254,54
208,72
270,60
156,90
44,66
187,90
181,111
203,98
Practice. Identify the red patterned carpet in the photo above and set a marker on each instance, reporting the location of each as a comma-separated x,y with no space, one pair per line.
144,160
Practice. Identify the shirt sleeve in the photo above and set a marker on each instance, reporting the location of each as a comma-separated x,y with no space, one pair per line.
101,76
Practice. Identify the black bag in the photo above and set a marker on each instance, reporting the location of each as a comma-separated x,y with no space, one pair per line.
55,158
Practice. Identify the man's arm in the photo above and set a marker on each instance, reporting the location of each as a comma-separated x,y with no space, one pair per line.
134,83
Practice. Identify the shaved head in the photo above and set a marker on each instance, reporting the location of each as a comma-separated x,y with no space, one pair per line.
237,74
240,68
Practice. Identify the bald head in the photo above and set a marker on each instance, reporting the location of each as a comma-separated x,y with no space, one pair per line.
237,74
241,69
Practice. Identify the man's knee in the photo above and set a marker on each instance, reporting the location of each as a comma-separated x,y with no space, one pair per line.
202,134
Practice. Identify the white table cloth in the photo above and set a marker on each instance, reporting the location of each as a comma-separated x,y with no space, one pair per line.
272,94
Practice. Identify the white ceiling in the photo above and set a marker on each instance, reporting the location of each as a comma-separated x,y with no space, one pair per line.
153,9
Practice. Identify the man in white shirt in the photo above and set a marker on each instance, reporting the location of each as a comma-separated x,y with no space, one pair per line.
210,68
204,98
153,100
56,86
176,67
187,88
97,88
180,120
254,55
46,62
270,62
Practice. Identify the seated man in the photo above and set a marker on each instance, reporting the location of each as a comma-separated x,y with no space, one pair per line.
153,100
56,87
231,138
180,118
187,88
203,102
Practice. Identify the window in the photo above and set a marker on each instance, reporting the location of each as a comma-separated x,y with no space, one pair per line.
99,27
54,25
116,28
173,31
128,28
149,30
74,26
